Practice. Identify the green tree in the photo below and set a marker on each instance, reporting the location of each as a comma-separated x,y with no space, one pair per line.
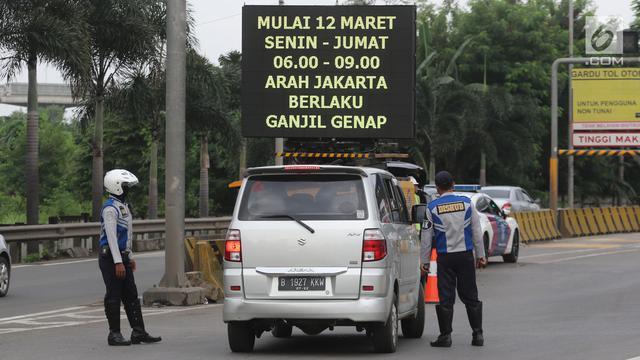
506,133
635,5
139,100
443,103
230,63
206,114
50,31
513,48
520,40
124,34
58,154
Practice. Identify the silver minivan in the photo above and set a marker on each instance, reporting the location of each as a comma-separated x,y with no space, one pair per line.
314,247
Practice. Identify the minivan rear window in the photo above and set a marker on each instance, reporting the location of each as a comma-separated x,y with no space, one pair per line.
307,197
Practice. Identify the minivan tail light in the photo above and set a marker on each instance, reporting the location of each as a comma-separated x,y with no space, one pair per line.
232,246
374,245
506,206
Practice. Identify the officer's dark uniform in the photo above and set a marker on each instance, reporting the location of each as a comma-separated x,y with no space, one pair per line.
115,247
453,226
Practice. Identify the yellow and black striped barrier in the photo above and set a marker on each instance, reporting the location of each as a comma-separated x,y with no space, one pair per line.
600,152
322,155
542,225
341,155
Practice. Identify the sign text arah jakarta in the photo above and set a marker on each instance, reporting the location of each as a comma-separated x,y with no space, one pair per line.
328,71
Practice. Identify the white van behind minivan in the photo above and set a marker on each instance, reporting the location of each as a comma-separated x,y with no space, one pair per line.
314,247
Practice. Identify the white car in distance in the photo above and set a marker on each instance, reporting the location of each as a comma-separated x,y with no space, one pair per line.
511,198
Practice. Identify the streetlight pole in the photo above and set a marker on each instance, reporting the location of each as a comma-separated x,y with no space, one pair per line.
570,172
279,160
173,288
175,148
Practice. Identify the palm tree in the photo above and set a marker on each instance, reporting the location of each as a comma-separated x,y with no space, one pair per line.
50,31
140,97
123,35
207,92
504,133
496,104
231,69
443,103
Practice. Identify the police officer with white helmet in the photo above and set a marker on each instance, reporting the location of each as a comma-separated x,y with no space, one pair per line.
116,261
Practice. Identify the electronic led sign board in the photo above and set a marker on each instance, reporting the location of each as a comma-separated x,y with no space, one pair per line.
328,71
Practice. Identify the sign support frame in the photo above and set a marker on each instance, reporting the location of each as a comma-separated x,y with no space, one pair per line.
553,161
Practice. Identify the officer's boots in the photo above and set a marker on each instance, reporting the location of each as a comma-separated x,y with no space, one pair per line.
115,337
474,312
445,318
138,333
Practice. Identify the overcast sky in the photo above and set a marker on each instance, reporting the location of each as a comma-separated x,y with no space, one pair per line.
218,27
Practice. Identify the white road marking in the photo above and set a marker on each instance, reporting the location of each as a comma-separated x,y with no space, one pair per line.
137,256
67,262
42,313
558,253
99,310
614,250
77,316
635,358
148,254
590,255
39,323
53,263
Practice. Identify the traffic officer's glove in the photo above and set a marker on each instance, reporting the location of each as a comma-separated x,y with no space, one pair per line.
424,269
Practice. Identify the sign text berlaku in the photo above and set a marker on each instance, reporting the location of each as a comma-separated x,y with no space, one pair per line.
328,71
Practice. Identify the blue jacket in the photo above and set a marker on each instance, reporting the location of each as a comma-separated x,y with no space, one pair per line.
453,224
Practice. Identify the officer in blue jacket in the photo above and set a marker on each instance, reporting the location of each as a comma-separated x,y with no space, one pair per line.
453,225
116,261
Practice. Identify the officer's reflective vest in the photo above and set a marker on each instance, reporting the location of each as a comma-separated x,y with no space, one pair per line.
122,227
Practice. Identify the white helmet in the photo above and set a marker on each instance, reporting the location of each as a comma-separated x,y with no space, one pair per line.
116,179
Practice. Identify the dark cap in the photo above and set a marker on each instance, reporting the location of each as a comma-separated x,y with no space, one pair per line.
444,180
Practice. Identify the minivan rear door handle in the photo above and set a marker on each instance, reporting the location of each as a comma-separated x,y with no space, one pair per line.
324,271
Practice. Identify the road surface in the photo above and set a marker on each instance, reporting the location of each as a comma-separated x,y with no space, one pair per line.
565,299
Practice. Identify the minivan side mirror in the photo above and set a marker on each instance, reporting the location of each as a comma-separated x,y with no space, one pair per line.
418,213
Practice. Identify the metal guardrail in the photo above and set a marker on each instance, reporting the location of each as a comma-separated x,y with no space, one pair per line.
148,235
81,230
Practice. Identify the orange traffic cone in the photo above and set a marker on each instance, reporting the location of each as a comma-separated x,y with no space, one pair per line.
431,290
